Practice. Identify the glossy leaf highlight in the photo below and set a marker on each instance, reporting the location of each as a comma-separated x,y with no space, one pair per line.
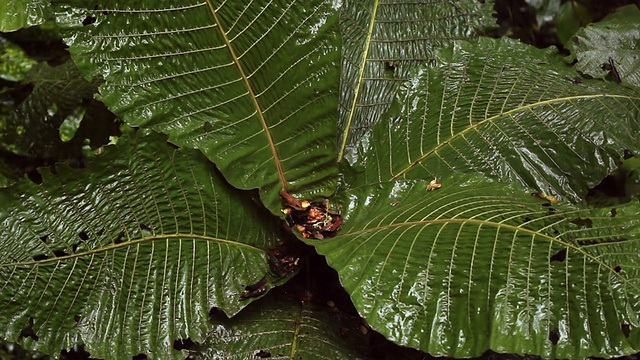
533,122
129,254
476,265
251,84
610,48
383,43
278,327
16,14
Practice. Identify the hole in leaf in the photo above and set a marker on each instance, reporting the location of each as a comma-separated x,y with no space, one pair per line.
575,79
88,20
626,329
389,70
527,219
586,222
184,344
83,235
40,257
140,357
617,269
262,354
74,247
560,256
614,212
44,238
554,336
60,253
77,318
146,230
628,154
120,238
28,331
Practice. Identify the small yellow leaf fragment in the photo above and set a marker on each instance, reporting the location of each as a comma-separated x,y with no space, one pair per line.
550,198
433,185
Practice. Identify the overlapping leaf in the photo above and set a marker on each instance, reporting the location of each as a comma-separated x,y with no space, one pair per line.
277,327
531,121
610,46
58,92
384,42
476,265
16,14
251,84
14,63
127,255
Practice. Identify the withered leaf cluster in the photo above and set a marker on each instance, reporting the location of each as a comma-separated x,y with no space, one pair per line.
313,219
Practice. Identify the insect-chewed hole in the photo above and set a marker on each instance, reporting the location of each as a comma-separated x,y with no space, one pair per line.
554,336
60,253
146,230
140,357
617,269
83,235
560,256
626,329
120,238
184,344
586,222
614,212
40,257
28,331
44,238
88,20
262,354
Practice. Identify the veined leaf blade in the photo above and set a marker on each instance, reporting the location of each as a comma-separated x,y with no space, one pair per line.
253,85
477,265
530,122
384,43
127,255
279,327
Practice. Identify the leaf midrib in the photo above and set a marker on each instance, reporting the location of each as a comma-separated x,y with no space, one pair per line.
492,118
514,228
111,247
254,100
363,63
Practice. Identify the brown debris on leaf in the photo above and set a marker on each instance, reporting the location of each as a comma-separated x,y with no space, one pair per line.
314,220
283,260
255,290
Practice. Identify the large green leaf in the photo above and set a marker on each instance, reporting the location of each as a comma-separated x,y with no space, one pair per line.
251,84
16,14
614,40
531,121
129,254
476,265
277,327
384,42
